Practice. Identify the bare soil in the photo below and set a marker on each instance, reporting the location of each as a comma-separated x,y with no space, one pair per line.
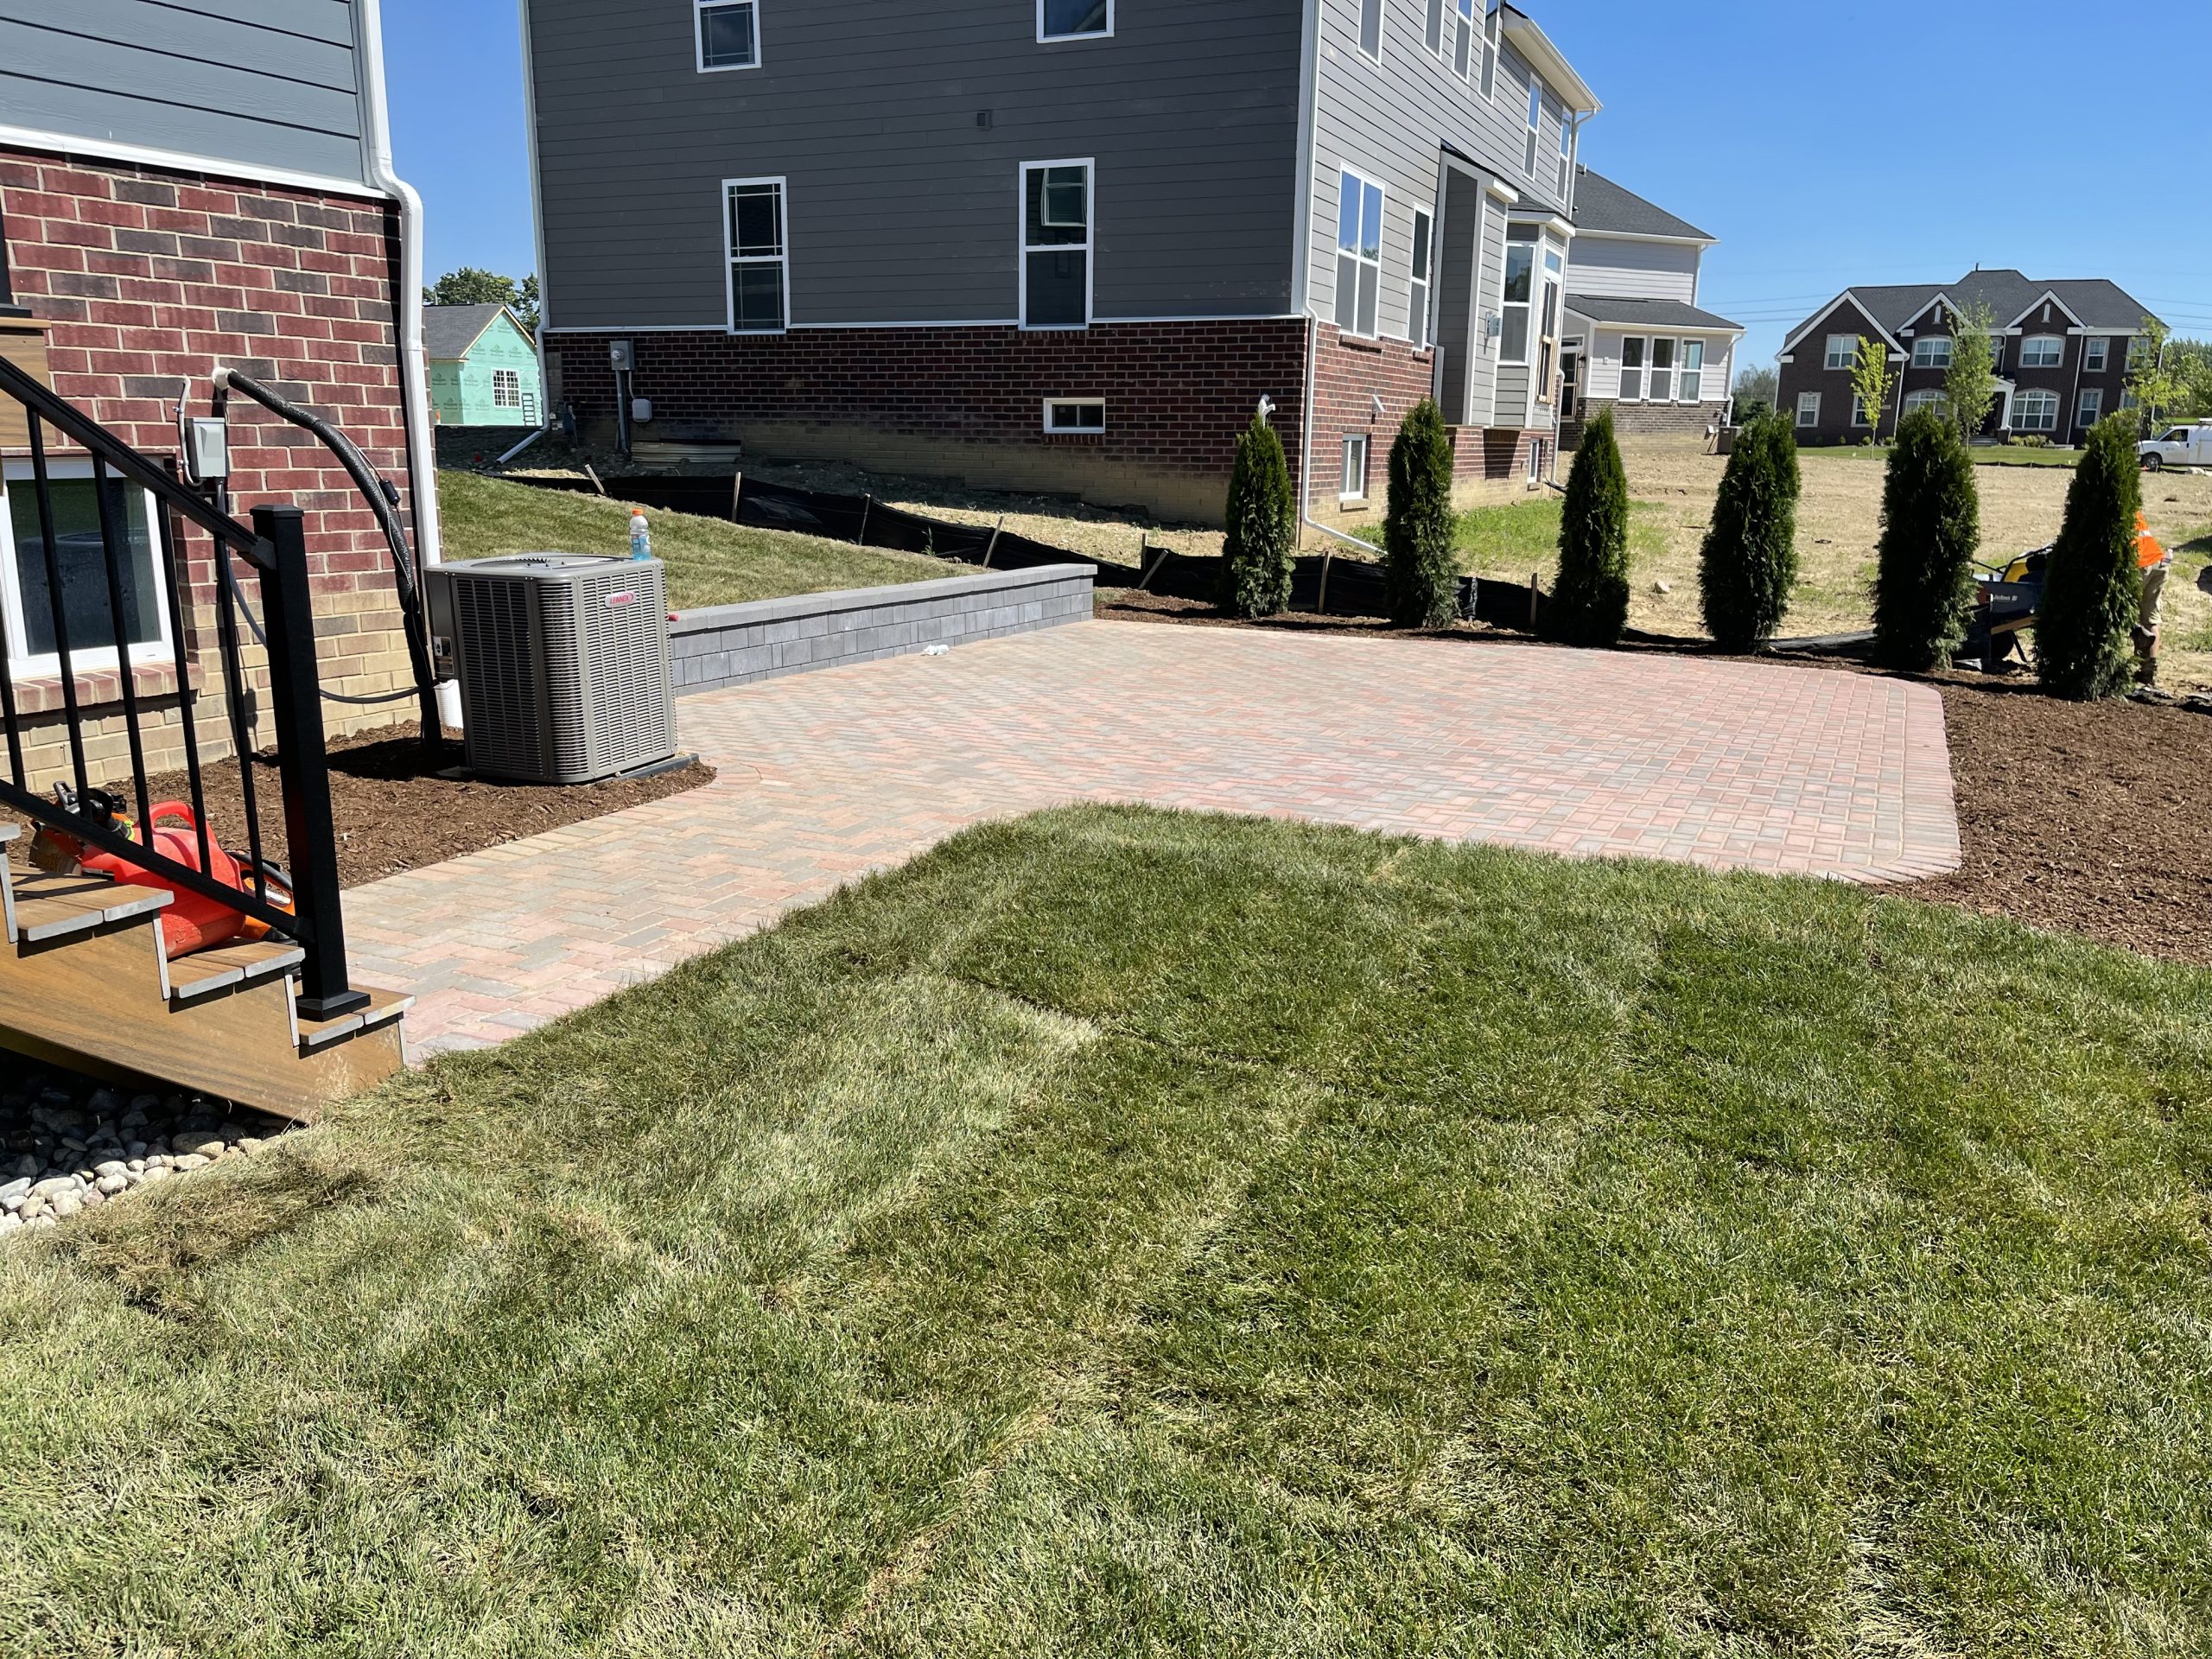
395,813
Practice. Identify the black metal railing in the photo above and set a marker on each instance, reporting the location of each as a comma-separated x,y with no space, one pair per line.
98,577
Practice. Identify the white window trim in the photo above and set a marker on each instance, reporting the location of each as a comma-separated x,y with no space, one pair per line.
1925,397
2089,406
509,377
2037,394
731,259
1089,167
1366,442
1505,306
1336,250
699,8
1418,331
2096,355
2033,341
1107,34
1359,33
83,659
1808,402
1641,369
1098,403
1828,354
1944,340
1489,55
1536,133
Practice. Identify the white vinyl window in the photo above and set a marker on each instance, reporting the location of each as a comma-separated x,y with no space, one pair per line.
1463,38
2096,352
729,34
27,590
507,389
1535,121
1490,47
1691,389
1858,410
1075,415
1353,486
2092,408
1808,409
1565,153
1843,351
1359,253
1056,223
1371,29
1997,353
1435,35
760,261
2139,352
1663,371
2035,411
1520,294
1932,352
1634,356
1074,19
1548,352
2043,352
1926,397
1424,267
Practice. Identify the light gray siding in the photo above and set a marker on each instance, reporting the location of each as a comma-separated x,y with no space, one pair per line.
1601,361
1607,268
260,84
903,207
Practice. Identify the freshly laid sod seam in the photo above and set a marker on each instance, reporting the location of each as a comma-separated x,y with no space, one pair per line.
1122,1232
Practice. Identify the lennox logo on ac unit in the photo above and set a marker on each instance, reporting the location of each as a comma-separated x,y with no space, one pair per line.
614,600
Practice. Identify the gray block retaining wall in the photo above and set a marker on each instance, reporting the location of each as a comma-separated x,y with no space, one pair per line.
735,645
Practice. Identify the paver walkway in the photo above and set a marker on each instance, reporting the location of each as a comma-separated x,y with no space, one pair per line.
827,776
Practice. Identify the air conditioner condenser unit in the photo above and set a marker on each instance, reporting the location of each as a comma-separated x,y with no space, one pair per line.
562,661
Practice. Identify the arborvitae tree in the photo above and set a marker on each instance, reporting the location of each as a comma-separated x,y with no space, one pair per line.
1750,560
1931,524
1590,601
2091,587
1260,550
1422,564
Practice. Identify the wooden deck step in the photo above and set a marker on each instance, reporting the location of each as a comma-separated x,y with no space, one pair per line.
47,907
206,973
384,1008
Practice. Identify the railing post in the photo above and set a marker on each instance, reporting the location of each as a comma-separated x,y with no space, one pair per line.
295,699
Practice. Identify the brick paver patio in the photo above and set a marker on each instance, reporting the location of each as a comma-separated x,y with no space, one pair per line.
827,776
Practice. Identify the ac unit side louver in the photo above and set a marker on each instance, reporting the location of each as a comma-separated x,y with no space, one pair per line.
563,662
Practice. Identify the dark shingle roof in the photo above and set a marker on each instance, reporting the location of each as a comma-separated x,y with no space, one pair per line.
1645,313
449,330
1601,205
2099,304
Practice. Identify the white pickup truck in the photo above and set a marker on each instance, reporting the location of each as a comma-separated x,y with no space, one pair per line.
2179,446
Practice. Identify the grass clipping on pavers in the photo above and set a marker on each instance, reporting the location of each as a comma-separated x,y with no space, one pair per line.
1121,1232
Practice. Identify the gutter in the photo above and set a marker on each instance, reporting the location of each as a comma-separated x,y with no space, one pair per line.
407,309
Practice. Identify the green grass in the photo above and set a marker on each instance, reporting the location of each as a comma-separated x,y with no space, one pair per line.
1991,455
1126,1234
1524,536
709,562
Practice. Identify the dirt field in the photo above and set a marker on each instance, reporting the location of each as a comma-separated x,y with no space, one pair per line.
1839,519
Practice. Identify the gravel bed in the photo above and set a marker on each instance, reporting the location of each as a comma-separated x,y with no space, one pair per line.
69,1143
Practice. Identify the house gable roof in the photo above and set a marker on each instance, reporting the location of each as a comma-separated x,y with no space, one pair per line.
1604,208
450,331
2009,296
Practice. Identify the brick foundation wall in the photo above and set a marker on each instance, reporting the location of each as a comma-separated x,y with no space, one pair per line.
1348,375
152,279
1659,420
968,401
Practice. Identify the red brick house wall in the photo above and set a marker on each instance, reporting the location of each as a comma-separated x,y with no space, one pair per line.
151,279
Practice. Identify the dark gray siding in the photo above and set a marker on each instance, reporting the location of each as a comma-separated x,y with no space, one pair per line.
260,83
902,208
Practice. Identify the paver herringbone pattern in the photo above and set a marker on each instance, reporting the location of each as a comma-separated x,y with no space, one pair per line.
827,776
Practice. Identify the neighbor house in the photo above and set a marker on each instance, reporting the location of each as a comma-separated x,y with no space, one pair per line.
2062,351
1638,342
184,189
483,366
1061,245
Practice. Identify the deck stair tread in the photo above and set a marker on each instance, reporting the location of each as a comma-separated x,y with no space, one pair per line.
384,1007
54,906
205,972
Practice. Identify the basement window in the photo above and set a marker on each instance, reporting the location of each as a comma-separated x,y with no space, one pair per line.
729,35
1353,486
26,592
1076,415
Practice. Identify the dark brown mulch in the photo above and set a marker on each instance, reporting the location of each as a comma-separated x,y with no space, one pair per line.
2092,818
394,813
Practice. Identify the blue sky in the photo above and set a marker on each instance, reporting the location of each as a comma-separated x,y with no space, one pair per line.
1817,161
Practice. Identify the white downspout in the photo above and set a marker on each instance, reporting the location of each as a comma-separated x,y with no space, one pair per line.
407,309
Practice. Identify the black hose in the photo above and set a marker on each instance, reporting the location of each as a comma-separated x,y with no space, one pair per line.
253,623
384,502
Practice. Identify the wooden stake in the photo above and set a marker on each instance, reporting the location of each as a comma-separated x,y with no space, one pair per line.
595,484
736,496
994,545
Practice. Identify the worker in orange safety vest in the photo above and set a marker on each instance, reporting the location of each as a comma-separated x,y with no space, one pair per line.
2153,561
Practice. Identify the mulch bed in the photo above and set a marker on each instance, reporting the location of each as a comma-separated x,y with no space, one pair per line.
2092,818
394,813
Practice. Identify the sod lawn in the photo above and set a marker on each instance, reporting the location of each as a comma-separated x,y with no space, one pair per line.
709,562
1121,1233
